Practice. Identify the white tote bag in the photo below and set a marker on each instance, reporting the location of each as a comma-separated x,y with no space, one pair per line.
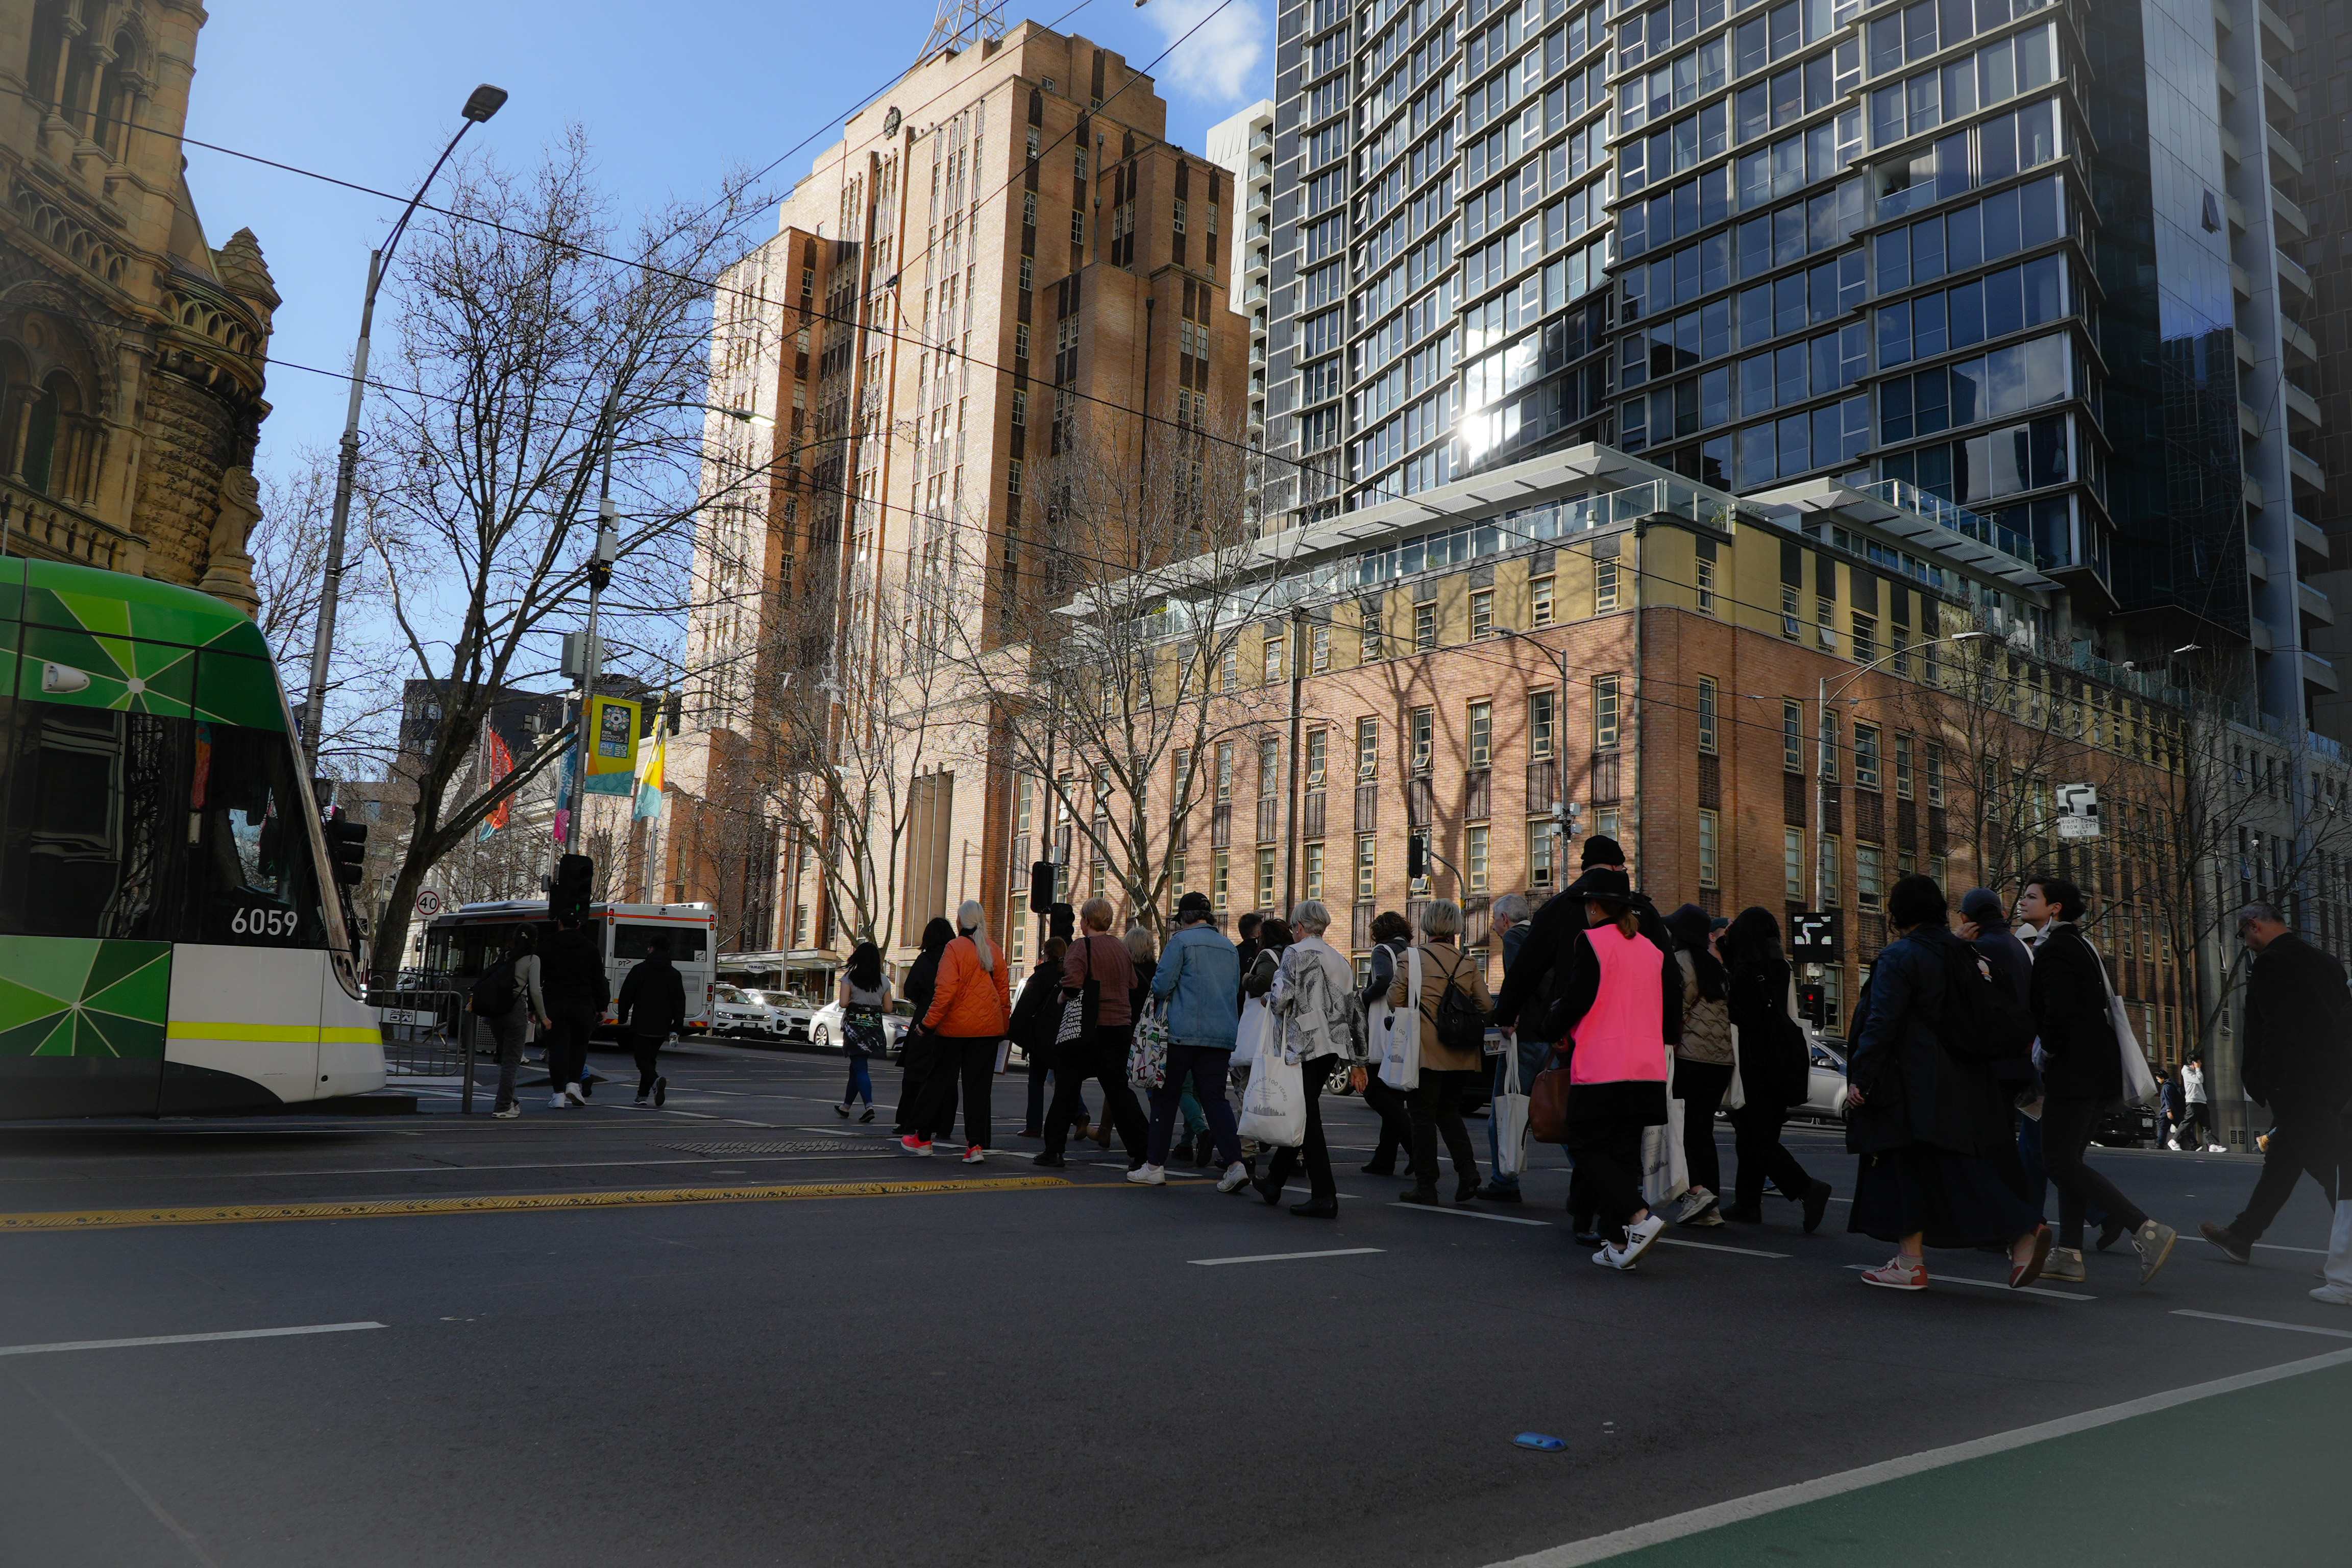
1274,1107
1666,1173
2139,1084
1257,1029
1510,1114
1401,1053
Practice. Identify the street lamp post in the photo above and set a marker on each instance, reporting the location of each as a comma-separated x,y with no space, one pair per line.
1563,810
1821,743
480,104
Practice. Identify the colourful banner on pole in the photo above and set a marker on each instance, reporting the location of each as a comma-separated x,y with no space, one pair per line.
501,760
650,772
613,746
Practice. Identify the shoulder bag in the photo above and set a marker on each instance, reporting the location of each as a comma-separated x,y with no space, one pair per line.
1078,1012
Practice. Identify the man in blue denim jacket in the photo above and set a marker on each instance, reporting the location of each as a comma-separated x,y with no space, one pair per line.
1200,979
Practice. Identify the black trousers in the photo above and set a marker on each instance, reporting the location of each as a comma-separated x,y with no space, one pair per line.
1436,1105
1104,1060
970,1062
2304,1140
567,1046
1608,1154
1700,1087
1038,1072
648,1049
2066,1125
1396,1122
1315,1152
1756,1130
2195,1122
914,1058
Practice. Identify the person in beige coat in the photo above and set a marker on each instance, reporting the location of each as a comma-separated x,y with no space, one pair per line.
1435,1102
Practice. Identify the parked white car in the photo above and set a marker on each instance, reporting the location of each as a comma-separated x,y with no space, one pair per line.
741,1012
793,1017
1825,1084
825,1026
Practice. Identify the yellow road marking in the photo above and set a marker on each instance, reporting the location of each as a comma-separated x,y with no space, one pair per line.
245,1214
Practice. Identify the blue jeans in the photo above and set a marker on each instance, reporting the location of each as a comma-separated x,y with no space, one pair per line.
861,1081
1205,1070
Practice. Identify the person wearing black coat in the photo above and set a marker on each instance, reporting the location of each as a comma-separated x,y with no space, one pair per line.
1774,1071
1922,1114
1392,934
915,1049
1037,1020
652,1005
2298,1062
2082,1076
571,976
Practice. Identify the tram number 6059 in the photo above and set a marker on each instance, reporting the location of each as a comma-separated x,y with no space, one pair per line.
263,922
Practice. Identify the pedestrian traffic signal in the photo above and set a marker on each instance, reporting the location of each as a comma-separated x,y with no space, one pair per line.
1062,920
1041,886
1809,1001
1416,857
346,847
568,895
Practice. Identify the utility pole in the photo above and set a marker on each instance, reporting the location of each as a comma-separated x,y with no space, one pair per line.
600,574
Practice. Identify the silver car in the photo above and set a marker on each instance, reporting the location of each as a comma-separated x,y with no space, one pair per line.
824,1027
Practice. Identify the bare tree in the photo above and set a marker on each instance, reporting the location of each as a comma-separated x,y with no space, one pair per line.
521,314
289,546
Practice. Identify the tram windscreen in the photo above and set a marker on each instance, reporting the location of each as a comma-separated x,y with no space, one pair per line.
151,827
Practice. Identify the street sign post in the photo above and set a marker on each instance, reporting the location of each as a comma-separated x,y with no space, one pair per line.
1813,937
2078,811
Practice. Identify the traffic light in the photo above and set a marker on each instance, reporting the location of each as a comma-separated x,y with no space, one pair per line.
568,897
1041,886
1416,856
1809,1000
346,848
674,711
1062,920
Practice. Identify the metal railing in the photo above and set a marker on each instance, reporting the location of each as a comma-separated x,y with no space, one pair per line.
427,1034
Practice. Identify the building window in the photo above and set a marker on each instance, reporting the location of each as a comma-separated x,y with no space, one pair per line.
1225,770
1032,143
1476,846
1481,614
1482,734
1318,754
1424,626
1012,489
1706,587
1220,870
1177,218
1175,880
1609,822
1182,794
1078,227
1540,602
1833,997
1792,865
1266,878
1368,617
1940,871
1829,894
1271,662
1229,670
1710,830
1424,738
1902,766
1368,748
1029,209
1543,839
1028,274
1314,871
1865,756
1604,713
1936,777
1322,644
1829,747
1866,639
1791,626
1540,707
1792,736
1367,869
1825,620
1708,695
1269,769
1021,410
1869,875
1604,585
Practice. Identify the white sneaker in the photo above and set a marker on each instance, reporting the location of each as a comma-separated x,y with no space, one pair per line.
575,1095
1614,1257
2335,1296
2173,1144
2217,1149
1694,1203
1148,1176
511,1113
1235,1174
557,1102
1638,1238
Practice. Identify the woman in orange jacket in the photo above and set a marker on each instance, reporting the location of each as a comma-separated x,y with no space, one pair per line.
971,1011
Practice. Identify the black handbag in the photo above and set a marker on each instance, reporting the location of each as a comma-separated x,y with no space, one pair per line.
1080,1012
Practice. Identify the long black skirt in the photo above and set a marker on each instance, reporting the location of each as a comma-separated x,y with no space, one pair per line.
1956,1200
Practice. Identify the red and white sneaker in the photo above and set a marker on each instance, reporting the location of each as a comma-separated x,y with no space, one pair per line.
1898,1273
975,1154
910,1145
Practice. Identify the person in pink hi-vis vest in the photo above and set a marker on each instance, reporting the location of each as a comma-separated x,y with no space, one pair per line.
1622,1007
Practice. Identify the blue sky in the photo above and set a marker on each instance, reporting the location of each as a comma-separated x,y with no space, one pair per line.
672,100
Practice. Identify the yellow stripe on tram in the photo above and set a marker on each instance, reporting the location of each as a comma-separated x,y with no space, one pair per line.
247,1213
275,1033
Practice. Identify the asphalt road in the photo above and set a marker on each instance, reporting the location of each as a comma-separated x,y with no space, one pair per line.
995,1369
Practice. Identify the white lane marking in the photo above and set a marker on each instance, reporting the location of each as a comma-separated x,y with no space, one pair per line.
121,1473
1473,1213
1674,1527
184,1338
1719,1247
2274,1246
2263,1323
1283,1257
2002,1285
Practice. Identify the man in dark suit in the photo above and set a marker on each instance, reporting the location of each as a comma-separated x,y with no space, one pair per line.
2297,1061
2081,1075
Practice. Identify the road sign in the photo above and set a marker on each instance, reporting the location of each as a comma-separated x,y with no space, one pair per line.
428,902
2078,811
1813,937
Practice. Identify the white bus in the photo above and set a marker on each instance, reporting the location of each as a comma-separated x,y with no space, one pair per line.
460,945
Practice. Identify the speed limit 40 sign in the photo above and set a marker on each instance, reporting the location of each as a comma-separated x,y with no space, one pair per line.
428,902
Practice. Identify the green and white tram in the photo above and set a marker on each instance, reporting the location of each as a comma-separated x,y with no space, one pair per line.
170,936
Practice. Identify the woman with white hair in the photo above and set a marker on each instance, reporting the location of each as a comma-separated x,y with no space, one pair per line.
1447,1066
971,1011
1313,999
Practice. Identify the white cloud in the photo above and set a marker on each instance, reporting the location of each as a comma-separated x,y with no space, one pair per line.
1220,61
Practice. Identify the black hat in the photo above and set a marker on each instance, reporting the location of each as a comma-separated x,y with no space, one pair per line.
1193,906
1604,885
1602,851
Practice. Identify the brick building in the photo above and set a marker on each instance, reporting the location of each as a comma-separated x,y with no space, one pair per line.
131,351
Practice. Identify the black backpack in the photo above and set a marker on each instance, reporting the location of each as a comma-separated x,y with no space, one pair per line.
494,992
1980,1021
1460,1025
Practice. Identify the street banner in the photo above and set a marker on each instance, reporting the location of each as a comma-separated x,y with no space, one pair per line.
501,760
613,746
650,772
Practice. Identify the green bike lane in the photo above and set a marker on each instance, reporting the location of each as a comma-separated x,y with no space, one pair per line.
2263,1458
